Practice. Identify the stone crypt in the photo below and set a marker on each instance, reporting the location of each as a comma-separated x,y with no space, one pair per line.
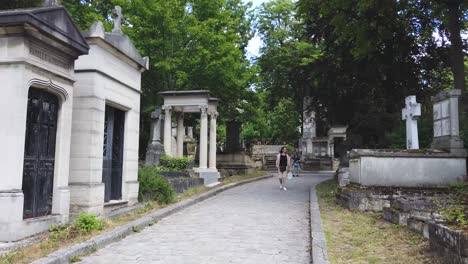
106,118
195,101
70,121
38,48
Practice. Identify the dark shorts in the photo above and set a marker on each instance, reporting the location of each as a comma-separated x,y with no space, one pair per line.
282,168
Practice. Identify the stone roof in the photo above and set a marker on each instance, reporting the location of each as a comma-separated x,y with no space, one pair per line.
119,41
53,21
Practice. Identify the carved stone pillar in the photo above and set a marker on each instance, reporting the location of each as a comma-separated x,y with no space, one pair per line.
203,136
213,116
167,130
180,134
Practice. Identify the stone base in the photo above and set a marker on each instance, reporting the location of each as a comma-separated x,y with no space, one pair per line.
12,225
210,178
182,184
406,168
343,176
450,245
154,153
447,142
87,197
363,200
131,194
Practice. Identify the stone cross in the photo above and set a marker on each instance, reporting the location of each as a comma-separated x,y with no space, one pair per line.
155,149
118,20
410,113
156,125
50,3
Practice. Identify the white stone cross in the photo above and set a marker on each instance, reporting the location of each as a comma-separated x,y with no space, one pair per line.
118,20
410,113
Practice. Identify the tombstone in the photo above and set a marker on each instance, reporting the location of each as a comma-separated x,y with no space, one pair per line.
38,48
410,113
155,149
233,143
308,127
190,143
446,126
105,132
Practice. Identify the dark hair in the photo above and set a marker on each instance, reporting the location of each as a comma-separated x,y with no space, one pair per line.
281,149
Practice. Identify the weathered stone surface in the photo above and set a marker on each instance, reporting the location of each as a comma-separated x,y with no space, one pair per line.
181,184
449,244
419,225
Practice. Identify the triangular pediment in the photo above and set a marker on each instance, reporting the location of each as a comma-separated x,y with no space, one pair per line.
54,20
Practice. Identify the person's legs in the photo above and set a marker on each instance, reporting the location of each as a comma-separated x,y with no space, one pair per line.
284,176
280,178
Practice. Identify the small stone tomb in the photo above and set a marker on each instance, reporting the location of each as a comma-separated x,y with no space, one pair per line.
194,101
106,114
38,48
437,167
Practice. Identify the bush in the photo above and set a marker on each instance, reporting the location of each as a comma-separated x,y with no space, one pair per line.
174,163
154,187
87,222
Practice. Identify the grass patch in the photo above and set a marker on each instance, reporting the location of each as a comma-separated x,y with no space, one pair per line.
359,237
60,237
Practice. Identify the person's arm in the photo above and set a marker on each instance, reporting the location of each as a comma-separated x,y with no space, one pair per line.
289,163
277,161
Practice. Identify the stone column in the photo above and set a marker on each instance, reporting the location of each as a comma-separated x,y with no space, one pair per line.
167,130
203,137
180,134
155,148
213,116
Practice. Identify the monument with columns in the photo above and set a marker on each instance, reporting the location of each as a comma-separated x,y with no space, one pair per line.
194,101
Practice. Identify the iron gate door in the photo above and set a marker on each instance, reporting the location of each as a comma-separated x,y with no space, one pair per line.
113,153
39,154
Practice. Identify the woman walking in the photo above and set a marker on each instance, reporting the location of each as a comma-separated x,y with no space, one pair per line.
283,163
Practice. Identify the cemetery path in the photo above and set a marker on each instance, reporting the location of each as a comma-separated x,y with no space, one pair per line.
253,223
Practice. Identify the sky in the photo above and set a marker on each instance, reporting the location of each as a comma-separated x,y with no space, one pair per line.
255,42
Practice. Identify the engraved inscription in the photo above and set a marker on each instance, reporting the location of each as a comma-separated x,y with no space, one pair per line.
51,58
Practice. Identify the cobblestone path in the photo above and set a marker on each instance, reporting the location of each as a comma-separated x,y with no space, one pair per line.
254,223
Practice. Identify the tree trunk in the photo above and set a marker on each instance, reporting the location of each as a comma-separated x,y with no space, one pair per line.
456,49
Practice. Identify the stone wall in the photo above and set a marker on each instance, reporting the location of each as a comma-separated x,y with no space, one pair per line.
406,168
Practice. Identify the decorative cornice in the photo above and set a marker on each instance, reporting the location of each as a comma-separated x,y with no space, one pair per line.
49,86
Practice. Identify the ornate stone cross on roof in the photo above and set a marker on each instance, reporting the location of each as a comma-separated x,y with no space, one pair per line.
50,3
118,20
410,113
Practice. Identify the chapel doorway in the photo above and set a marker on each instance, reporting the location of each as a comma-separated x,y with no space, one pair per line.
113,153
39,154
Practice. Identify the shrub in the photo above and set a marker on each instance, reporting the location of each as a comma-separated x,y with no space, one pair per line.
174,163
154,187
87,222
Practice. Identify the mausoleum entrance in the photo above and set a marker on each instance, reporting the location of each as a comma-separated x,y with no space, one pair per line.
39,155
114,125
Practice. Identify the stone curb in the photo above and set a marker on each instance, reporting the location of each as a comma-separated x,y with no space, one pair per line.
62,256
317,236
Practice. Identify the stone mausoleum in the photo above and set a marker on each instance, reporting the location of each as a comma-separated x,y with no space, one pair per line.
194,101
69,132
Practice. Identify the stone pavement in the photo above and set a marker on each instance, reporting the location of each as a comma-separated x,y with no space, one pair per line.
254,223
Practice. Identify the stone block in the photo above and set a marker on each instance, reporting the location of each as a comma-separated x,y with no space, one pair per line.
449,244
210,178
406,168
419,225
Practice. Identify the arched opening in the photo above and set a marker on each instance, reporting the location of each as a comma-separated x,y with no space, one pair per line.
39,155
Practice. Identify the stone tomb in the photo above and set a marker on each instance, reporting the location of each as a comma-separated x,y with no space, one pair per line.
38,48
106,114
195,101
437,167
